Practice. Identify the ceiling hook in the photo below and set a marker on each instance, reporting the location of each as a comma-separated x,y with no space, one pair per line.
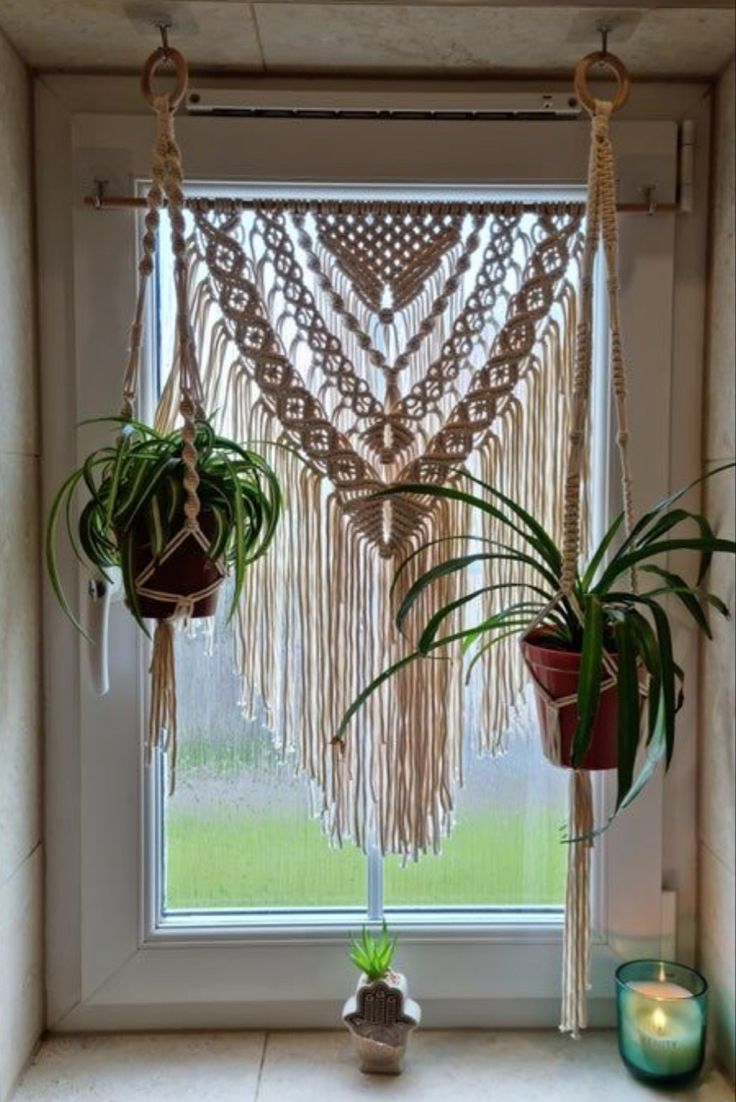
164,29
604,30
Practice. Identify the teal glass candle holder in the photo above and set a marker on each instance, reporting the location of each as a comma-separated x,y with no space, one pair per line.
662,1011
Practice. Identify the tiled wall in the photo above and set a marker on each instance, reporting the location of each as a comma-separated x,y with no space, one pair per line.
21,974
717,835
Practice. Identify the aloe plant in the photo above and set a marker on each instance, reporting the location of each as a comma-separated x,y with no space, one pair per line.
373,955
605,614
138,480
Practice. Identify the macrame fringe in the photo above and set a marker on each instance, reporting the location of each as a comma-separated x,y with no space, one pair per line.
162,713
316,620
520,458
576,938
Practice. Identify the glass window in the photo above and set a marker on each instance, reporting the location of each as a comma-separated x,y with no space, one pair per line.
242,831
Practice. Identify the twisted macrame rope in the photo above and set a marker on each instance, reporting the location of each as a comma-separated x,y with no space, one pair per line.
600,226
167,185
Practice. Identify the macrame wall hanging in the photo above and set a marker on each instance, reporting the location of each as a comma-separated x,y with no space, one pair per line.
385,342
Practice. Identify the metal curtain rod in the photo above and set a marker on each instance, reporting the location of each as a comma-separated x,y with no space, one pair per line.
100,201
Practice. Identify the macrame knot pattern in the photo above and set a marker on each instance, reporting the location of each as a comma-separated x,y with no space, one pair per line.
470,366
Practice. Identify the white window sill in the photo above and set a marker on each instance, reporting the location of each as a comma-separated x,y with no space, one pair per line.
472,1065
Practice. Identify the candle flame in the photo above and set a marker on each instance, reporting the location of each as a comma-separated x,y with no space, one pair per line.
659,1020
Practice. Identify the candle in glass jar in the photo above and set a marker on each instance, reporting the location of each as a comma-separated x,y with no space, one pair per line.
661,1021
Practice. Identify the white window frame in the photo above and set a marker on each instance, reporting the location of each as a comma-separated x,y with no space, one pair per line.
109,964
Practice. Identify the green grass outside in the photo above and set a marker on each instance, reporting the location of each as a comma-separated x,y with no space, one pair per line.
237,859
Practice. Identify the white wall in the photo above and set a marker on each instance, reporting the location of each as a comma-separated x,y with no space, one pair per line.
21,977
717,826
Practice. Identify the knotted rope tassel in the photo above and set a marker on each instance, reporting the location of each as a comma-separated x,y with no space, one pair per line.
576,941
162,714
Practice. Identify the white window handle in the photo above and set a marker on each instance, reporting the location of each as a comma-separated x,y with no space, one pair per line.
101,592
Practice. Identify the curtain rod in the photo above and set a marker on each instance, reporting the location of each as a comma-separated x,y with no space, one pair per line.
231,205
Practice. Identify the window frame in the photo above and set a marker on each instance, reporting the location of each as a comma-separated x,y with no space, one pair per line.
108,966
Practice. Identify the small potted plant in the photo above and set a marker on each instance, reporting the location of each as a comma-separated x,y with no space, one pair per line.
595,655
380,1015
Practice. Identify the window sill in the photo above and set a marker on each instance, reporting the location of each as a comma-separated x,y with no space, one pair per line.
476,1065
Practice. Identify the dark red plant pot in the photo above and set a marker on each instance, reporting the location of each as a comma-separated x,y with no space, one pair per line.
187,570
558,672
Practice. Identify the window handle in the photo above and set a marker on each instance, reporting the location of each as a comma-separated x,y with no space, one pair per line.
101,592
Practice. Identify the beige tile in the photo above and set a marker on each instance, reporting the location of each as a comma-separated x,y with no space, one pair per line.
19,662
435,38
718,952
175,1067
18,389
720,391
21,969
718,719
100,33
465,1065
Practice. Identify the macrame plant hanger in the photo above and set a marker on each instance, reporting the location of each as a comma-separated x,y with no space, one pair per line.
600,227
170,604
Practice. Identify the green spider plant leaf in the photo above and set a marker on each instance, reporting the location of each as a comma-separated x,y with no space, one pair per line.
451,566
129,578
589,683
369,690
648,649
600,552
429,634
621,564
542,538
541,542
648,517
628,706
690,598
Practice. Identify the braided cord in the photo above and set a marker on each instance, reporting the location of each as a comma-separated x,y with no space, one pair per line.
601,226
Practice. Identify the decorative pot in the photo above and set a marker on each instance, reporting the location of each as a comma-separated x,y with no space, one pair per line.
182,570
380,1017
556,674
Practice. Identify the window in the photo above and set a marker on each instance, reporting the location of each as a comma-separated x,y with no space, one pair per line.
240,837
239,833
116,957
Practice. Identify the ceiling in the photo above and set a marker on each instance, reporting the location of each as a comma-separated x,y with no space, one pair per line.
445,38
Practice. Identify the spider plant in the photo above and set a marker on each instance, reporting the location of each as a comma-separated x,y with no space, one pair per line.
136,484
373,955
606,615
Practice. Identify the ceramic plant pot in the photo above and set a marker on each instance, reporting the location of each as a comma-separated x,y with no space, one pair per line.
182,572
558,672
380,1017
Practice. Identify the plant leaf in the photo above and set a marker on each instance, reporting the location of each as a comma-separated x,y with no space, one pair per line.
589,683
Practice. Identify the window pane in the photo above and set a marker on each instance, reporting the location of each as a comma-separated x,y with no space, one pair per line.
239,831
505,849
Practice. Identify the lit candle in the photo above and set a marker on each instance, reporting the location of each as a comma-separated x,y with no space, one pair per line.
661,1019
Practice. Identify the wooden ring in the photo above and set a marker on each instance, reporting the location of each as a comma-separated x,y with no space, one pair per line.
616,65
158,58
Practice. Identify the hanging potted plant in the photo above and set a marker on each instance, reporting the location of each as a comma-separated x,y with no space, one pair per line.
173,511
134,510
380,1015
593,655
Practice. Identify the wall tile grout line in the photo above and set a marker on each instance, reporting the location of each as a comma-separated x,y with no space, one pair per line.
6,878
261,1066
